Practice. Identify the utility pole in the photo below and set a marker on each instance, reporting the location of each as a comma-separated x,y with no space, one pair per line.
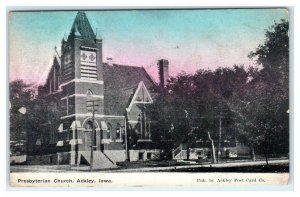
220,137
126,146
212,148
91,103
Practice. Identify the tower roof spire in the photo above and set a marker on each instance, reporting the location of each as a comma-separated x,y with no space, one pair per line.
81,26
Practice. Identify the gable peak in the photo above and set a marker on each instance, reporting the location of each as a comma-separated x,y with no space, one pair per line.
141,95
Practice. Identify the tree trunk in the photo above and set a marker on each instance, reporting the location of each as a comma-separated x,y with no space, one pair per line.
219,142
253,154
266,157
212,148
213,151
188,152
266,149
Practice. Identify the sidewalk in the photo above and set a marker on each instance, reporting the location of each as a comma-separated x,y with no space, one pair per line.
217,165
180,167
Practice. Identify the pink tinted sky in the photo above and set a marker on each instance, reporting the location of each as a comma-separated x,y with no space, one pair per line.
189,39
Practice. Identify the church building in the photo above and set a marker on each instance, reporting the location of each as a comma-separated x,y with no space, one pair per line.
99,106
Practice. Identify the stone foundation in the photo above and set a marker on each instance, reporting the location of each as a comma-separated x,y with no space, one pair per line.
144,154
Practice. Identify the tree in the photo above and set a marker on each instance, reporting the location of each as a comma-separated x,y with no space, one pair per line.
21,96
261,108
189,108
273,54
250,104
215,90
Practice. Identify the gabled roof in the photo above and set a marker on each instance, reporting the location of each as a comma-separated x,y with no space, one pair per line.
141,95
55,60
57,57
120,83
82,27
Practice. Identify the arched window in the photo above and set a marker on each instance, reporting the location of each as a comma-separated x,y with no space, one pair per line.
52,115
139,126
143,126
89,133
89,125
118,132
89,92
108,132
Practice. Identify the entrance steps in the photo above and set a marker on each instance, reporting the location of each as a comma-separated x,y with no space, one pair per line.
100,160
179,153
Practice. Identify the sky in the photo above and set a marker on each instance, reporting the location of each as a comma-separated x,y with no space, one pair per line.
189,39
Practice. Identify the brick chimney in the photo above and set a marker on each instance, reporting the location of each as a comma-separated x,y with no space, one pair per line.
163,71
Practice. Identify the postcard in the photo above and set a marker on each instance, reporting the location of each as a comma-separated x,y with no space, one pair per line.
149,97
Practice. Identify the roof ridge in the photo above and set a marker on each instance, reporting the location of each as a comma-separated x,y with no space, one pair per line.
123,65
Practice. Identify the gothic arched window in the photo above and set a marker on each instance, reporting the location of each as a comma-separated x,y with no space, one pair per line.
118,131
89,125
109,130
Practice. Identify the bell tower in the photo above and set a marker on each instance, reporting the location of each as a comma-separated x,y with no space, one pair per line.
81,72
82,65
